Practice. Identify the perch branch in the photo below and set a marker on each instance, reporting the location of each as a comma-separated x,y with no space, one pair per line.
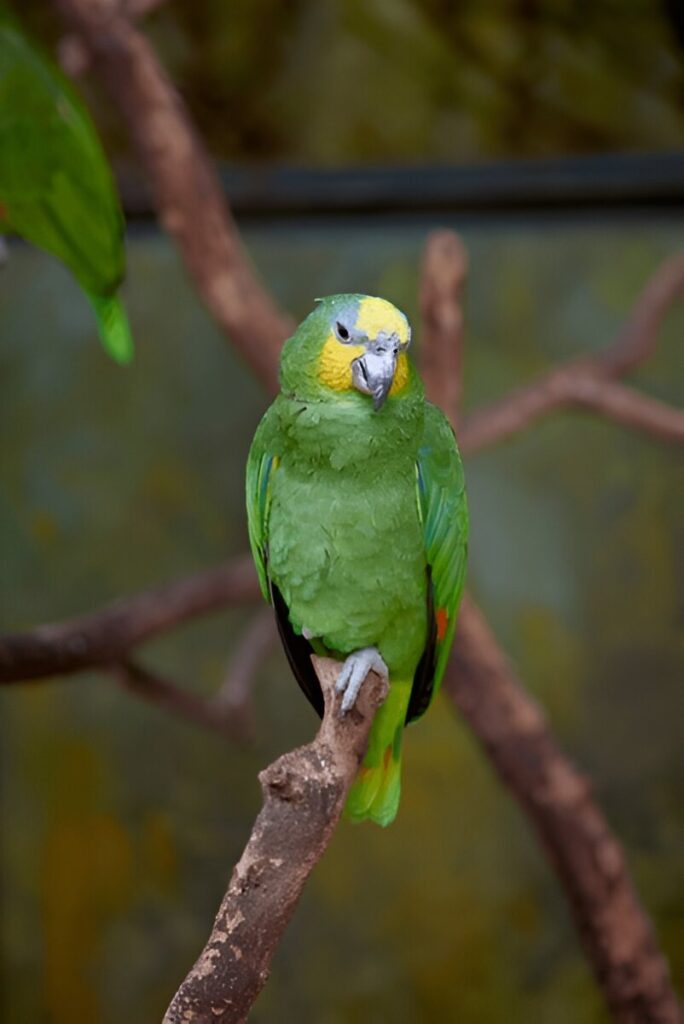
616,932
186,189
304,792
585,383
106,637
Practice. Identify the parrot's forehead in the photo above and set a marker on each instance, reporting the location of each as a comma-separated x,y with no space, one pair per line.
375,315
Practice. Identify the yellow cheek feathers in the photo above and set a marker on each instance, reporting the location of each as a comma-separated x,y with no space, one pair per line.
400,375
334,366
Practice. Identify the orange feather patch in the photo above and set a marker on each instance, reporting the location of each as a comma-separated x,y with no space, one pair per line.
442,623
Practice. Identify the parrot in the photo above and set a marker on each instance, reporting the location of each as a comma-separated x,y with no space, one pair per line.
358,524
56,187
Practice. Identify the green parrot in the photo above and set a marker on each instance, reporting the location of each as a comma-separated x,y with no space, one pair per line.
56,188
358,523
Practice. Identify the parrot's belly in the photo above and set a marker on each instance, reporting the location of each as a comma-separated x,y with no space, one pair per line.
346,551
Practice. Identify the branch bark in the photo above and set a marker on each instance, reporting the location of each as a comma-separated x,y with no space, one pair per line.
106,637
304,792
186,189
557,799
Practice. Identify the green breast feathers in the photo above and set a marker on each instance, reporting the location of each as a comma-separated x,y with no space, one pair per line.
358,523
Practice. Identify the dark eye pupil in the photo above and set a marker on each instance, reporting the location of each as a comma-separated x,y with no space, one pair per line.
342,331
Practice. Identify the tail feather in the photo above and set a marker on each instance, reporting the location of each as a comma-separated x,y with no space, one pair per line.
375,793
113,326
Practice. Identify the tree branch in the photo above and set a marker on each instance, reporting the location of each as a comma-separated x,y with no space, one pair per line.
107,636
585,383
557,800
186,189
616,931
162,693
304,793
443,275
234,697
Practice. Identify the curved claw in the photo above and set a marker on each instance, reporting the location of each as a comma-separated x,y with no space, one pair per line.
355,669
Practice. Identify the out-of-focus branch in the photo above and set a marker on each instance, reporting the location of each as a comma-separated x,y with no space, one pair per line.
234,698
163,694
442,280
106,637
304,793
629,407
636,341
614,927
137,9
589,861
586,383
186,189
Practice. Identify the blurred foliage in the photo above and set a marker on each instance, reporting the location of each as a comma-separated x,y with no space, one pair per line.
344,81
122,822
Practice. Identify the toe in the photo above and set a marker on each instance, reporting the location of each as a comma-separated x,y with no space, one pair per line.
343,677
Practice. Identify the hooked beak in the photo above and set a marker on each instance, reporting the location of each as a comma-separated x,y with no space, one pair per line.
373,372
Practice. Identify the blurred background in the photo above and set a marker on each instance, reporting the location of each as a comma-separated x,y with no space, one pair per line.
119,824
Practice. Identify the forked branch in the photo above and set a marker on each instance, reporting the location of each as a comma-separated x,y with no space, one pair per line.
589,382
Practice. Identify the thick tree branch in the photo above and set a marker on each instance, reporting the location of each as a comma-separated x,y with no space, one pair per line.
304,794
186,189
589,861
585,383
107,636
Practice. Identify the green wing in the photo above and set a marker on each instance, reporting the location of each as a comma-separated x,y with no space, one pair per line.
260,464
56,187
444,514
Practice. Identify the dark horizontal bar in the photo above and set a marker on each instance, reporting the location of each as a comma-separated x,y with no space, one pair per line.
648,179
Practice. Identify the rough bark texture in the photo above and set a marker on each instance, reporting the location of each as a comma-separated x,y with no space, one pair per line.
186,189
304,793
557,799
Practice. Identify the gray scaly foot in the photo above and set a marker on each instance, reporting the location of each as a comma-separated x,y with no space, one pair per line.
355,669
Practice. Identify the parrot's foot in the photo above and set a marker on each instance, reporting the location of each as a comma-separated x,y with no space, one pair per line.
355,669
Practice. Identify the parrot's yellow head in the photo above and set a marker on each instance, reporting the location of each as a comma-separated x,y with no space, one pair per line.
349,343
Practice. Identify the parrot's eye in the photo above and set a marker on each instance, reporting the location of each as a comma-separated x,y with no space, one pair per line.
341,331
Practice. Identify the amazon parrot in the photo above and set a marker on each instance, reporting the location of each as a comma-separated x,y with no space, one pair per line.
358,523
56,188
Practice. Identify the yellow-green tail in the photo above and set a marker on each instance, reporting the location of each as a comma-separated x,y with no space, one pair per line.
375,792
113,327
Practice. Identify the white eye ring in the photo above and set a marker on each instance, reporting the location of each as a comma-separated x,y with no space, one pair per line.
343,333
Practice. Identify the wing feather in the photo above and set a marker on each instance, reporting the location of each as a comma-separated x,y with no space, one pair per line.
444,514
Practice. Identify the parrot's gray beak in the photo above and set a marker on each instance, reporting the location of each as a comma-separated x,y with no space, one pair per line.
373,372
